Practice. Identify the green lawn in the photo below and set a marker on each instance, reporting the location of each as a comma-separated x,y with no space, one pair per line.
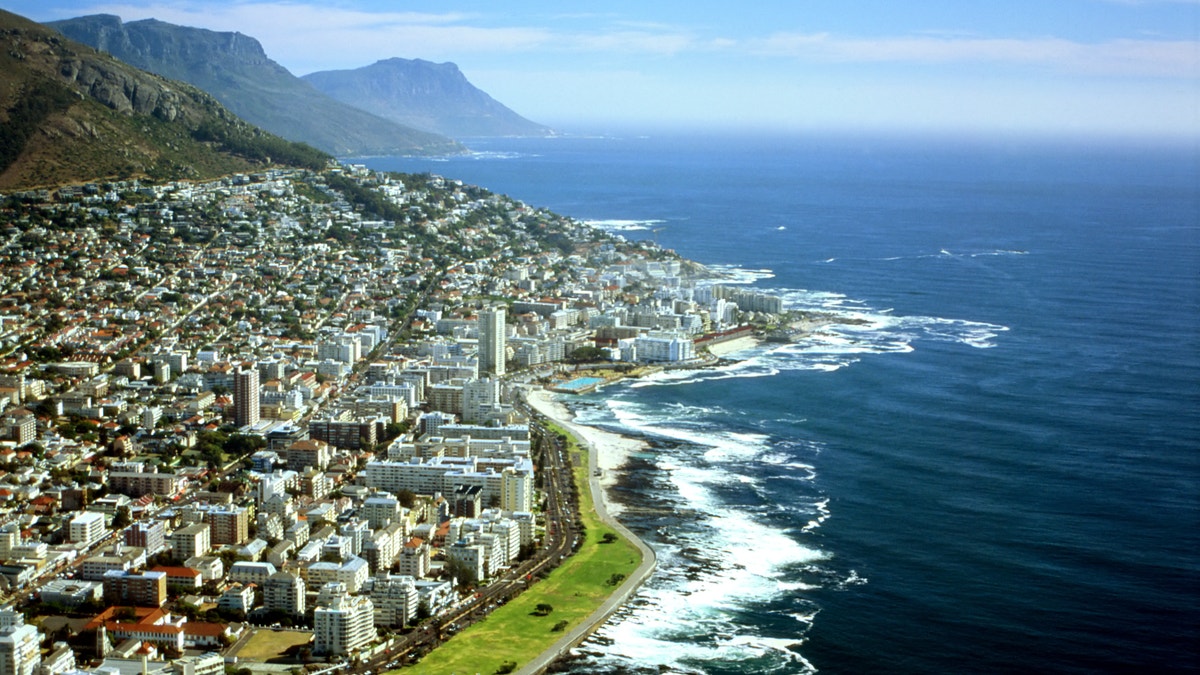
267,644
513,633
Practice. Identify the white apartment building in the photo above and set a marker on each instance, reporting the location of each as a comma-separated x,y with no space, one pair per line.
191,541
86,528
492,337
395,599
351,574
284,592
664,347
380,509
342,623
19,644
509,482
247,572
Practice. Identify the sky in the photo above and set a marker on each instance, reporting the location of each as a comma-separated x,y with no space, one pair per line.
1127,68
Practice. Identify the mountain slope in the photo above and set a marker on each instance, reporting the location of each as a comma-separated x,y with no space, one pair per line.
432,96
235,69
69,114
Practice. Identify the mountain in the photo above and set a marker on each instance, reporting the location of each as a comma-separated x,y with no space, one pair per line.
432,96
235,69
69,114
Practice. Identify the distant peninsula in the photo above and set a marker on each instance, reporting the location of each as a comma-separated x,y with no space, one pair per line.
433,97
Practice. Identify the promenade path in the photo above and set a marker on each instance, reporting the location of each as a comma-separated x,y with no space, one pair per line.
626,590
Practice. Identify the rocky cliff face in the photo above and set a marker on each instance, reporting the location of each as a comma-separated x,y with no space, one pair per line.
69,113
114,84
236,70
121,91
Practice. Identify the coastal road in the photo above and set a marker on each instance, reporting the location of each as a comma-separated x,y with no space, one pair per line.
561,537
626,590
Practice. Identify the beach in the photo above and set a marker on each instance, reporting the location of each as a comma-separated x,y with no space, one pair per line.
721,349
606,452
609,450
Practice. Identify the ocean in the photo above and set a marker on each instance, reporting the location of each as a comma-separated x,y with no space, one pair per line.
995,467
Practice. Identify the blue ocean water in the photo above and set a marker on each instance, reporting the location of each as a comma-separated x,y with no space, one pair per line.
994,468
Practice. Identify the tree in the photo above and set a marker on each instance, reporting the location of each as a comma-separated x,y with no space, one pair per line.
122,518
407,498
459,570
543,609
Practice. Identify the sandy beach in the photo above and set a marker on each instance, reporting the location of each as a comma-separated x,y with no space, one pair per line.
611,450
608,451
737,344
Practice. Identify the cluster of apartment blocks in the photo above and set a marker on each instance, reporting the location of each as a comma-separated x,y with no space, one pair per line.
660,328
380,534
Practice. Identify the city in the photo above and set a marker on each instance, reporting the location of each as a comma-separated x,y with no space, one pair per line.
289,404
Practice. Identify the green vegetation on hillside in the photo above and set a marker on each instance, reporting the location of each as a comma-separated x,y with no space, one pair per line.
257,146
41,99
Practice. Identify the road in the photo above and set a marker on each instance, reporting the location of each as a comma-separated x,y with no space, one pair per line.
562,535
619,597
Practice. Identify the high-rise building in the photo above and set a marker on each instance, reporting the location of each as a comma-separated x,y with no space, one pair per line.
86,527
150,536
342,623
395,599
230,525
245,397
148,589
19,652
191,541
491,342
284,592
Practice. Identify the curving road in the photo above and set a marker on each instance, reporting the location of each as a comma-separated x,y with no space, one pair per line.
622,594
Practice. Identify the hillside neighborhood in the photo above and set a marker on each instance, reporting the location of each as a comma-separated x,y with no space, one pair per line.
291,400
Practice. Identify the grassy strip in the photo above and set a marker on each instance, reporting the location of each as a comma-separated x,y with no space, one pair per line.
266,644
514,633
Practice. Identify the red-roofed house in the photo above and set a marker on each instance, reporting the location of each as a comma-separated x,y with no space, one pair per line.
149,624
185,579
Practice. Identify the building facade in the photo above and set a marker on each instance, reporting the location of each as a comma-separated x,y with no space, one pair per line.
230,525
19,642
191,541
246,398
284,592
342,623
86,527
492,345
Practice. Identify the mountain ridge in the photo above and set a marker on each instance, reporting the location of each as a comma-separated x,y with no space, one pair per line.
236,70
425,95
72,114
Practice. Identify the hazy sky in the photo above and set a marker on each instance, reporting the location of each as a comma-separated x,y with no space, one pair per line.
1129,67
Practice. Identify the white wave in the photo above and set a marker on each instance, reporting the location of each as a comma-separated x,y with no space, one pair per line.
806,618
617,225
738,369
736,274
783,460
944,253
852,579
498,154
781,228
822,515
722,560
999,252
